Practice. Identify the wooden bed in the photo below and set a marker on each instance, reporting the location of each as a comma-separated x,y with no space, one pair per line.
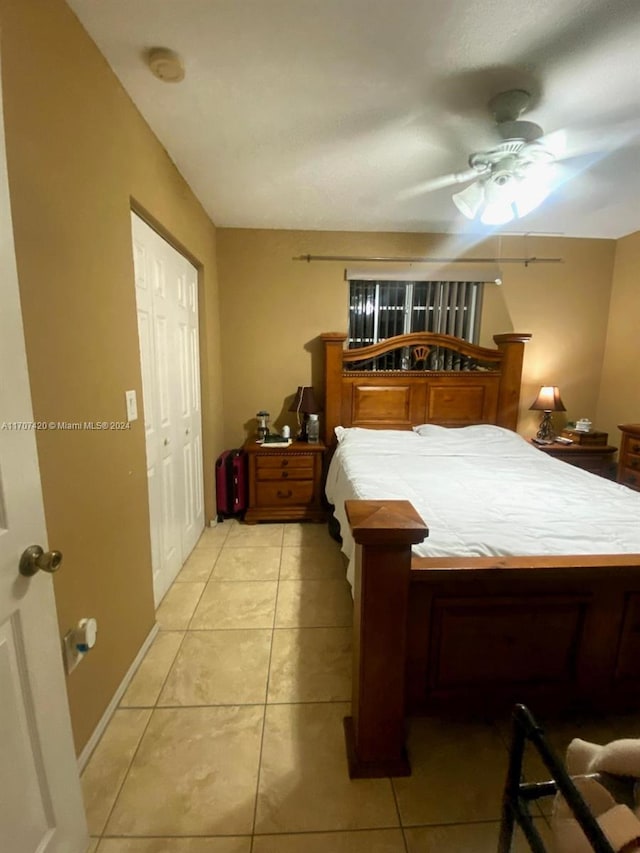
466,635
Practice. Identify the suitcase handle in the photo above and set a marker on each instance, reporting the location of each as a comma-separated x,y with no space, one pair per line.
286,494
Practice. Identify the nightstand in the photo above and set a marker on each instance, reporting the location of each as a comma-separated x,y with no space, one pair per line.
629,459
595,458
285,483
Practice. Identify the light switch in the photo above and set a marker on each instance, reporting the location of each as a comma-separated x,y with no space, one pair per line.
132,405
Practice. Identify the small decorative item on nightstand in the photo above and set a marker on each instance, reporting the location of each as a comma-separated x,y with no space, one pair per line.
592,438
313,429
263,424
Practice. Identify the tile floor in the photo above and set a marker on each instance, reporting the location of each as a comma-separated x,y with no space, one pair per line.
229,737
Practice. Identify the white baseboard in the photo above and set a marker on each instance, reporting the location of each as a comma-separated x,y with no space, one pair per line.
91,744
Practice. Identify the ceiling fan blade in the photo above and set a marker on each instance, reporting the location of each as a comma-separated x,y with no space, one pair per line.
434,184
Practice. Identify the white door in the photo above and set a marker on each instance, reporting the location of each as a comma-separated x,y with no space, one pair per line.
189,421
41,805
167,302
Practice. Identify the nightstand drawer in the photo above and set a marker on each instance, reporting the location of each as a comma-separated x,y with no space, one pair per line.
290,493
283,467
631,445
628,460
281,462
285,473
629,477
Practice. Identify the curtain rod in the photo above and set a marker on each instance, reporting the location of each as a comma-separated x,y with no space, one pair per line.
355,258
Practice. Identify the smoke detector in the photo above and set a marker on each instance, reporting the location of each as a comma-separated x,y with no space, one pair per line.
165,64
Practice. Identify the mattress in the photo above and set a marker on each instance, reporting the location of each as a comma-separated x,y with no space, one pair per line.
483,491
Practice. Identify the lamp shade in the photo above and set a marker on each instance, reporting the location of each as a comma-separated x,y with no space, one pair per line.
304,401
548,400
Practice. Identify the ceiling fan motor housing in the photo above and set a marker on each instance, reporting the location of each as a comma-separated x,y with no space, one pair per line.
509,105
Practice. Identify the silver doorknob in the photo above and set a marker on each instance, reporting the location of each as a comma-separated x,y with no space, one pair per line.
35,559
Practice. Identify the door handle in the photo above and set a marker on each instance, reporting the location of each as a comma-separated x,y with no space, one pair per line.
166,442
34,559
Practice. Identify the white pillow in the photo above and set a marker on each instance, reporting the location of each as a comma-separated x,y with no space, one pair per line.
476,437
433,431
375,437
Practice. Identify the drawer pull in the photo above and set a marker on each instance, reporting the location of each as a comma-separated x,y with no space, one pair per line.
634,463
285,474
284,463
635,448
286,494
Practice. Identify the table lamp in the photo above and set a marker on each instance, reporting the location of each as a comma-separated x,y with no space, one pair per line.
547,401
304,402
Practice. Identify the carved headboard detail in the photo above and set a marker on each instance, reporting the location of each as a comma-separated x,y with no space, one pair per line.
482,387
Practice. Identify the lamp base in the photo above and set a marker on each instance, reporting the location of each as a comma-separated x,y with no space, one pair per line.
546,433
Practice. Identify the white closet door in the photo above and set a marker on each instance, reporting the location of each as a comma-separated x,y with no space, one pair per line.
167,300
190,420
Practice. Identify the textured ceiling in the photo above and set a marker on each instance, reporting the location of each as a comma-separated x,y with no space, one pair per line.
335,114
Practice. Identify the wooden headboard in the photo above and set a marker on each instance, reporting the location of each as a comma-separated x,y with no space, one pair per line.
485,391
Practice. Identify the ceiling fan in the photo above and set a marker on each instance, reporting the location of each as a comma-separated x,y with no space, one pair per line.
513,177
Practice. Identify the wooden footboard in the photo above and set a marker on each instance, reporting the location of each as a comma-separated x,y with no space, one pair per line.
476,636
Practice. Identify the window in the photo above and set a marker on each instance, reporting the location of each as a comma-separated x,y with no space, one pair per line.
381,309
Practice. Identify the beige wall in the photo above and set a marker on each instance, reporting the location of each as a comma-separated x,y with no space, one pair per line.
78,154
619,400
274,308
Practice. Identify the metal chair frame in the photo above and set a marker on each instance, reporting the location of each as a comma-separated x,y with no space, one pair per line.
518,794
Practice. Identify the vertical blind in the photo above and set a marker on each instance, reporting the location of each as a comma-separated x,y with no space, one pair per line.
381,309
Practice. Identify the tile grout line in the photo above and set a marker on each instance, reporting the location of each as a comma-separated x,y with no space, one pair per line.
398,813
124,778
166,678
197,604
266,697
151,708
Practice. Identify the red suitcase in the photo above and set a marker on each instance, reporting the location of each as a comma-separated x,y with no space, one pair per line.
231,483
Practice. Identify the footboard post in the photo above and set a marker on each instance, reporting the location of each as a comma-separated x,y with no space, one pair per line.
384,532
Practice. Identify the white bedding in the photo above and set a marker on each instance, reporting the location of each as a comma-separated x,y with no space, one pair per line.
483,491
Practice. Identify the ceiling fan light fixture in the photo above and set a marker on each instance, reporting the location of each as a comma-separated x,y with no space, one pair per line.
516,175
470,199
497,213
528,198
501,187
534,187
